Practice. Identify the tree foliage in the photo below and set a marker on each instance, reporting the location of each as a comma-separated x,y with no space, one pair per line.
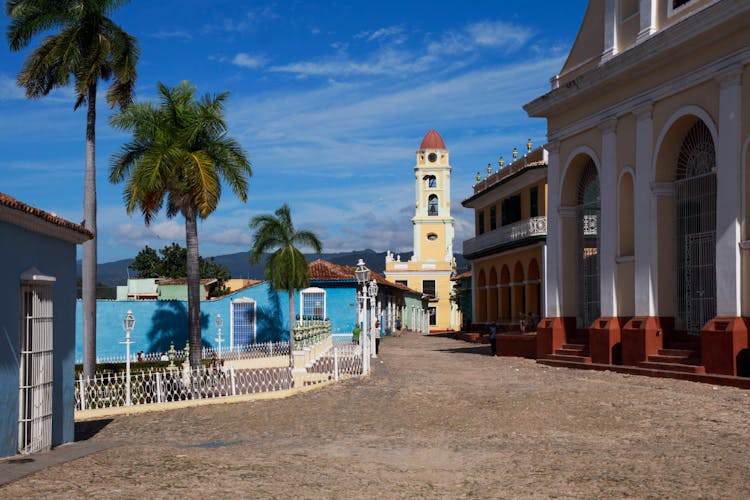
171,262
179,155
286,267
81,43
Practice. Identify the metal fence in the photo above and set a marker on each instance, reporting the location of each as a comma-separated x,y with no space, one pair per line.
249,351
112,390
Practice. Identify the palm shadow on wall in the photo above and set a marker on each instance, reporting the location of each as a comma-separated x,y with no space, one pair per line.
270,324
169,323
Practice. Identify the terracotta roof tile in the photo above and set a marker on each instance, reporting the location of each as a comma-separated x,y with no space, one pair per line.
10,202
322,270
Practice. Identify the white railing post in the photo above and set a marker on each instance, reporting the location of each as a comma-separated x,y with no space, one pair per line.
81,388
158,387
234,387
336,364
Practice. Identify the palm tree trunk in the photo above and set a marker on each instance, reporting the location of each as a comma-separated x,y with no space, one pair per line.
291,328
193,284
88,266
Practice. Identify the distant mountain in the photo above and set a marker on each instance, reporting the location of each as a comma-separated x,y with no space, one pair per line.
116,273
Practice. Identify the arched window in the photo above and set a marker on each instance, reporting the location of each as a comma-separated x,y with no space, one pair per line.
695,214
432,205
430,181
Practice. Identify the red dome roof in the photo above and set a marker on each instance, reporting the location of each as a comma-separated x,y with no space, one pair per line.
432,141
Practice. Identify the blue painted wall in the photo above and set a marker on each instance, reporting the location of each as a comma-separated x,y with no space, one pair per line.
53,258
160,322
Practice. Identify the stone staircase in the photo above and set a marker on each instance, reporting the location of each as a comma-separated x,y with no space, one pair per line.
679,360
571,353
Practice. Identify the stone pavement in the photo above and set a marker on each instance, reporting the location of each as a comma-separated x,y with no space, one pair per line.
439,419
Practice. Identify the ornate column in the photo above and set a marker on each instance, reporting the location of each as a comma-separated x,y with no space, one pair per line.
728,186
608,226
645,239
552,267
610,29
647,13
726,336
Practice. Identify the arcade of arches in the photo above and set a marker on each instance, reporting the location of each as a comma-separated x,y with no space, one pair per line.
508,286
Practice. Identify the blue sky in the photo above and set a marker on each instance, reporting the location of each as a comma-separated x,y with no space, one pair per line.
330,100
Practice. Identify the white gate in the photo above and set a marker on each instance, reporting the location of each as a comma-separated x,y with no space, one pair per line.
35,377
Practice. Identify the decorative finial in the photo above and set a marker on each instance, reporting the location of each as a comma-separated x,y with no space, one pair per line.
479,176
489,168
529,145
501,162
515,154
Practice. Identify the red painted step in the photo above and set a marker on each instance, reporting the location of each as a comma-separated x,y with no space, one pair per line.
674,367
569,358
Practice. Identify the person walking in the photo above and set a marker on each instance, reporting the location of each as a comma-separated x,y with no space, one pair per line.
493,339
376,332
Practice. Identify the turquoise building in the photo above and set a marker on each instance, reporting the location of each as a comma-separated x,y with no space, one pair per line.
254,314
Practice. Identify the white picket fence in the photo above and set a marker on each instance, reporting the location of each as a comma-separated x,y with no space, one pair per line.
110,390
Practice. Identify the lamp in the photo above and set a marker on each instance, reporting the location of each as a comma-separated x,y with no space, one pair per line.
515,154
529,145
479,176
362,273
128,323
219,324
489,168
501,162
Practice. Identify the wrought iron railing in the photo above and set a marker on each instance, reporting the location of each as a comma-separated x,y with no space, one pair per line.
517,231
249,351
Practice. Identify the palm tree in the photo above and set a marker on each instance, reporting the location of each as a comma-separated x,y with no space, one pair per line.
286,269
180,152
89,46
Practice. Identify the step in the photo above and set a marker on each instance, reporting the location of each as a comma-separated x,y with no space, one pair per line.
686,353
574,346
572,352
568,357
674,367
683,360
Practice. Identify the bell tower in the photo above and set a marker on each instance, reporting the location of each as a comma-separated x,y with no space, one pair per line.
432,265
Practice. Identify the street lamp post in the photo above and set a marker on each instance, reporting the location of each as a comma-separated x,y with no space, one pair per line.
372,290
363,277
219,324
128,323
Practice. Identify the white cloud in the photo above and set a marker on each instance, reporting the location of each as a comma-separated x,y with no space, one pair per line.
9,91
175,33
391,32
245,60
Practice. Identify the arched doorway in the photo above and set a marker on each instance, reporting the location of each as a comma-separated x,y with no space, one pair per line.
505,296
519,295
533,301
588,219
492,313
481,297
695,230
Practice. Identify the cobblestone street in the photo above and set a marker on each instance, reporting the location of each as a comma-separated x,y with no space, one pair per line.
440,418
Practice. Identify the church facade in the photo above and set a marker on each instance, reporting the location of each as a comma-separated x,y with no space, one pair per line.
432,265
649,143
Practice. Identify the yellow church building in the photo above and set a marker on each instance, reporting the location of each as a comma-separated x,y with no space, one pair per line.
432,264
